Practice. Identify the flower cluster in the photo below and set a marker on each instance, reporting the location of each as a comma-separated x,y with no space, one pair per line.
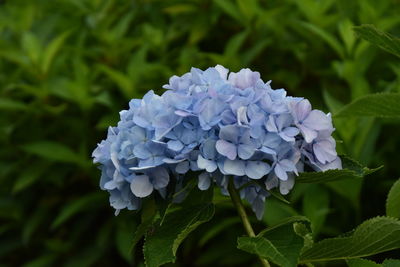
219,125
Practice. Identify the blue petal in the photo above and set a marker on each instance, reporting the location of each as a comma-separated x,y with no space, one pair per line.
286,186
141,186
205,164
175,145
308,134
182,167
325,151
226,149
141,151
210,114
280,172
270,125
230,133
234,167
160,177
208,149
246,151
257,169
204,181
317,120
258,206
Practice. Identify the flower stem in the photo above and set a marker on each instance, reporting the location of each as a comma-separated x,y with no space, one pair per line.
237,202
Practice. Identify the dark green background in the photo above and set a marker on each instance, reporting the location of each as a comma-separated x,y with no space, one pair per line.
67,67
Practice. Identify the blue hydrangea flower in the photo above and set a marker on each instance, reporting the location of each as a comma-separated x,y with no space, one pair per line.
215,124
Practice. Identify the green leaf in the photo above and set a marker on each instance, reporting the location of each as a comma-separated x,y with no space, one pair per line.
8,104
377,37
383,105
278,196
215,229
80,204
123,237
316,206
349,189
32,46
162,242
53,151
371,237
277,211
324,35
44,260
231,9
121,79
333,104
393,201
29,176
347,35
52,49
248,8
362,263
140,232
351,170
233,46
280,244
391,263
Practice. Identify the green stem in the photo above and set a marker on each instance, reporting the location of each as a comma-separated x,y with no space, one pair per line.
237,202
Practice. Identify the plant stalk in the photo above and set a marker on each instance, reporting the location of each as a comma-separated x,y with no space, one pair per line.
237,202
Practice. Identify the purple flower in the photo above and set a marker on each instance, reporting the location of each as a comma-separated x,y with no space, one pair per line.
218,124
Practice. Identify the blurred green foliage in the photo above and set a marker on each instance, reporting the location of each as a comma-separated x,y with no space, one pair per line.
67,67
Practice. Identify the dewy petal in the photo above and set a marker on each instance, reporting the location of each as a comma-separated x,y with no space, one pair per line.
257,169
317,120
141,186
234,167
226,149
204,181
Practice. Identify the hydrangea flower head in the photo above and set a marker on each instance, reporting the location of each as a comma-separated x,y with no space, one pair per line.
216,124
